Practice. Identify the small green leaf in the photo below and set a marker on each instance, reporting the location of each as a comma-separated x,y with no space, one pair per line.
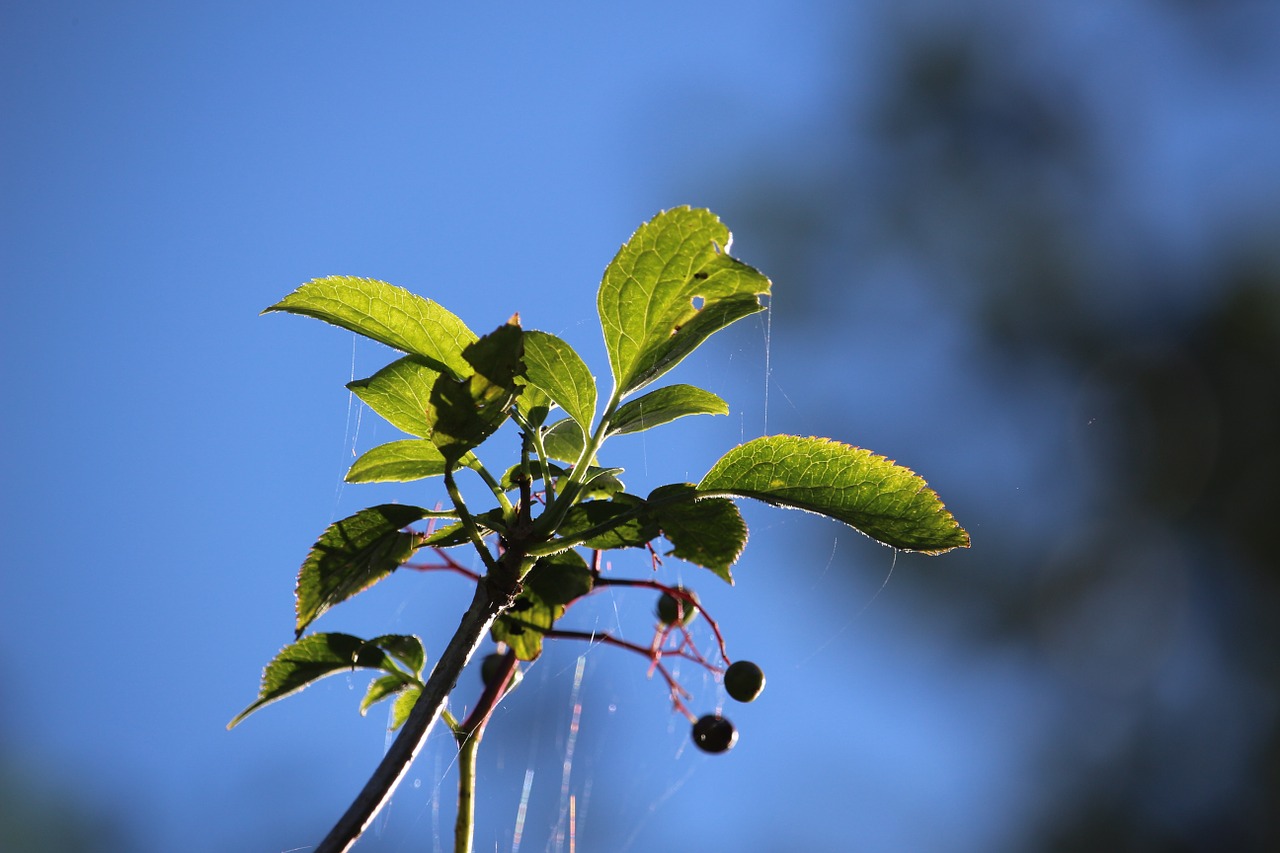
400,392
386,313
509,481
405,648
880,498
664,405
560,580
352,555
397,462
552,584
381,688
554,367
404,704
468,411
708,532
667,290
489,521
309,659
564,440
623,522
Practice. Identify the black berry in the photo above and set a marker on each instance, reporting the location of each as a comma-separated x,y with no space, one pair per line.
743,680
671,608
713,733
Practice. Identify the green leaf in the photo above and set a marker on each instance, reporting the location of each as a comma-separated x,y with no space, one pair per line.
534,405
405,648
468,411
352,555
404,704
623,521
386,313
886,501
664,405
489,521
564,440
554,367
381,688
709,532
400,392
397,462
509,478
312,658
667,290
552,584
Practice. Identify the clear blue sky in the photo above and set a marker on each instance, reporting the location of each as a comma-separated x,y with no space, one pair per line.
169,170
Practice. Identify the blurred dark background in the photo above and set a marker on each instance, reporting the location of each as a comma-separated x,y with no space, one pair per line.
1029,249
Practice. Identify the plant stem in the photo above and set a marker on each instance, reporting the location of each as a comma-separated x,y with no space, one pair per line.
490,599
464,827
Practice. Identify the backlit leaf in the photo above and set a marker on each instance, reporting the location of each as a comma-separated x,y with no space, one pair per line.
554,367
400,392
386,313
397,462
664,405
352,555
311,658
880,498
667,290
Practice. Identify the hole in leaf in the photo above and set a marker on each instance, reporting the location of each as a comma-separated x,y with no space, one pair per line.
698,302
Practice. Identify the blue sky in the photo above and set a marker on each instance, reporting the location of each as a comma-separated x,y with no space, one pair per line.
169,170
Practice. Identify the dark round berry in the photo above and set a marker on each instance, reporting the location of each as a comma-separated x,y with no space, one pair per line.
743,680
713,733
671,608
491,667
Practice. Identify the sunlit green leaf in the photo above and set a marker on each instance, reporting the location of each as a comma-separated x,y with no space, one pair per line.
564,440
880,498
381,688
352,555
667,290
404,704
664,405
397,462
554,367
405,648
400,392
386,313
309,659
708,532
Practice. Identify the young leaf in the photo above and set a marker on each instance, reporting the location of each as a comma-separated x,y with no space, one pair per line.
880,498
468,411
404,704
554,367
381,688
708,532
405,648
397,462
564,440
667,290
312,658
352,555
664,405
386,313
400,393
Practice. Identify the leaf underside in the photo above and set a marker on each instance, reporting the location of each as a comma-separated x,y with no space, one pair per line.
552,584
874,495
